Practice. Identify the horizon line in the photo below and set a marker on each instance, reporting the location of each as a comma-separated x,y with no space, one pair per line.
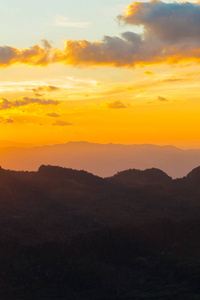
24,145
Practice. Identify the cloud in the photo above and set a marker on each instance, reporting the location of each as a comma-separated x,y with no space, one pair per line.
169,22
162,99
35,55
64,22
46,44
170,35
112,51
174,79
39,91
148,73
6,121
117,104
7,104
61,123
53,115
81,80
9,121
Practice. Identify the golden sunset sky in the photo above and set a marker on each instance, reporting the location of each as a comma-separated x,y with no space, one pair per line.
100,71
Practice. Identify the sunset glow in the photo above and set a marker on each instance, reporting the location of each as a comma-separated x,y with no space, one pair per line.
114,72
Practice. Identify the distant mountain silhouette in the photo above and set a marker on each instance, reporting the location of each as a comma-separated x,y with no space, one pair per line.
102,159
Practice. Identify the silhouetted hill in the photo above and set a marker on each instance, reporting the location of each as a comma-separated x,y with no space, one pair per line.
194,176
68,234
55,202
66,175
138,178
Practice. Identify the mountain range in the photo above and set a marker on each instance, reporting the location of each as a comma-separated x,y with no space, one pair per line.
101,159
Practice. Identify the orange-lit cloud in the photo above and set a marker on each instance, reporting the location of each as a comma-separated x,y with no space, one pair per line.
170,35
170,22
163,99
53,115
7,104
6,120
61,123
35,55
174,79
39,91
148,73
9,121
117,104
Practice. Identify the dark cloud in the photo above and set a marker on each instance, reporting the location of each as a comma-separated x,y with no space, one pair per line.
9,121
39,91
170,22
162,99
117,104
6,121
7,104
61,123
4,104
53,115
46,44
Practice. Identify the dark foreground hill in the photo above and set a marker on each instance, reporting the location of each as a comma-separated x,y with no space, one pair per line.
138,178
68,234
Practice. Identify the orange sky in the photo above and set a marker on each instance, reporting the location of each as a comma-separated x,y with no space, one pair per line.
140,86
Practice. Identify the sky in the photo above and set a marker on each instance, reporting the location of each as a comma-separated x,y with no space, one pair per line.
100,71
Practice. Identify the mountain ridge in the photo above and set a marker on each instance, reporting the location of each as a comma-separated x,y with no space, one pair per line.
102,159
67,230
152,174
62,201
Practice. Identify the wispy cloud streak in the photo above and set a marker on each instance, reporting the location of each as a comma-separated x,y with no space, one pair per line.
65,22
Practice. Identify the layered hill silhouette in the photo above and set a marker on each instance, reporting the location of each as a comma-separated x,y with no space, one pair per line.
69,234
56,202
101,159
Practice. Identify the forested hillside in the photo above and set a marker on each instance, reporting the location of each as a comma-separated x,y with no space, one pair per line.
68,234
